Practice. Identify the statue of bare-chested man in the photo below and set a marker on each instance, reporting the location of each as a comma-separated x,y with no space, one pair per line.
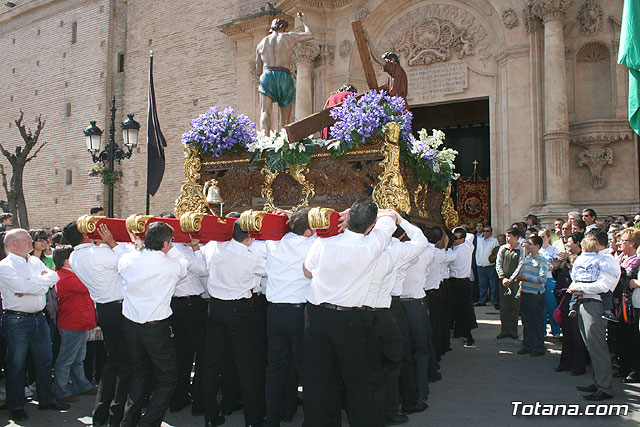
273,57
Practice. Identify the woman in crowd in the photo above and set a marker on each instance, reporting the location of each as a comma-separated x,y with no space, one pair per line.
550,253
574,352
627,334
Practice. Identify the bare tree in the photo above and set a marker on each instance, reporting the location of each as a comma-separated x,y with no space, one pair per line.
18,160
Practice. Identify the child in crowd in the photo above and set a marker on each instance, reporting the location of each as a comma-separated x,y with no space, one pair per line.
586,269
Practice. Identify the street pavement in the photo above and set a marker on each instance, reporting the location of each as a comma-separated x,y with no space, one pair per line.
478,387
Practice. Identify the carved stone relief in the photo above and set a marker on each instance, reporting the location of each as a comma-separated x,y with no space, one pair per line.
547,9
593,52
326,54
510,18
590,17
345,48
595,160
437,33
304,52
362,14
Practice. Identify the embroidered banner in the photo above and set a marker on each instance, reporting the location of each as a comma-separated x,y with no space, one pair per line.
473,202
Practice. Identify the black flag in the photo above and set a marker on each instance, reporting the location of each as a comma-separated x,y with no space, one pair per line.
155,142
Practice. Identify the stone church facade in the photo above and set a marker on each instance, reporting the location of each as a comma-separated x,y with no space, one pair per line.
557,101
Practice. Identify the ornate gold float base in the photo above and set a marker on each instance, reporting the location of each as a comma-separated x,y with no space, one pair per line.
191,197
390,191
298,173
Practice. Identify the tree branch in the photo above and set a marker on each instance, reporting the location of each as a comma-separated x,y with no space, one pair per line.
4,181
36,152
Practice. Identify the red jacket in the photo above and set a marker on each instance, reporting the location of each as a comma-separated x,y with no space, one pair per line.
76,310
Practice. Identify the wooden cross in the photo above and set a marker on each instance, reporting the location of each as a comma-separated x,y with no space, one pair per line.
318,121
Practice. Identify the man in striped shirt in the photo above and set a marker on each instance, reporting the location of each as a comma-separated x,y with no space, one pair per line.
532,277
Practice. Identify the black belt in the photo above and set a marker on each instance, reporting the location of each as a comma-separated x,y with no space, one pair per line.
111,303
411,299
285,69
590,300
339,307
374,308
187,297
22,313
287,304
395,298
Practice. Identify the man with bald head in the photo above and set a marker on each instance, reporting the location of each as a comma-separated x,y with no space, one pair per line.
24,282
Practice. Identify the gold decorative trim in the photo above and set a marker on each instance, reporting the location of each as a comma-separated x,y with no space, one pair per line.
298,173
88,223
191,197
390,191
420,201
137,224
350,153
319,218
251,220
449,213
222,162
191,222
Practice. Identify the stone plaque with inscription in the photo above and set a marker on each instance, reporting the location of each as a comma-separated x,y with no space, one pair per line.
429,83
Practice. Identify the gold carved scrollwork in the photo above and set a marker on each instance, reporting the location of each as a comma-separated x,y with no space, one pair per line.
191,222
449,213
88,223
420,199
137,224
191,197
297,172
319,218
251,220
390,191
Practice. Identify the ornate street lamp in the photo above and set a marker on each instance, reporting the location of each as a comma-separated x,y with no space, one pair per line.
112,152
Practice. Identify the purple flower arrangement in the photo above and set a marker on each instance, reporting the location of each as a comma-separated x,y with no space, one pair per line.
359,119
220,131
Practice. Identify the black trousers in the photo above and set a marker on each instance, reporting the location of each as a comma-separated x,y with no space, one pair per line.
114,382
446,306
434,304
335,338
189,324
462,309
384,351
234,322
153,354
285,339
407,380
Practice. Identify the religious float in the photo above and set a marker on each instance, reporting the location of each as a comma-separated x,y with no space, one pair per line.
229,166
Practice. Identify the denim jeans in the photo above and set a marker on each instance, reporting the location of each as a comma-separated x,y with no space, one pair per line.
551,304
488,279
22,332
532,312
70,361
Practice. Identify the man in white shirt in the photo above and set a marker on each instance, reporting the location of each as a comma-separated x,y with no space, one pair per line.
341,268
487,277
593,327
189,327
286,292
384,339
97,267
149,279
24,283
460,269
235,267
589,217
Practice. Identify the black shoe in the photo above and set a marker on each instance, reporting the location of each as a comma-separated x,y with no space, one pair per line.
218,421
55,406
480,304
559,369
515,337
622,373
536,353
588,389
420,407
631,379
469,342
597,396
18,415
523,351
575,374
395,419
230,411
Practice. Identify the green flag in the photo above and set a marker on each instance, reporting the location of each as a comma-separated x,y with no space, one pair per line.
629,56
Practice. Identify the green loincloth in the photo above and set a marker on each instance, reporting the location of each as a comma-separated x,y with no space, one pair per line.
277,85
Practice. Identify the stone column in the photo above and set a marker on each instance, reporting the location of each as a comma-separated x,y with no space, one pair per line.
556,116
304,53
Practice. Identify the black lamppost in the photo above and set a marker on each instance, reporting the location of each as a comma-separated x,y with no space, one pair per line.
112,152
